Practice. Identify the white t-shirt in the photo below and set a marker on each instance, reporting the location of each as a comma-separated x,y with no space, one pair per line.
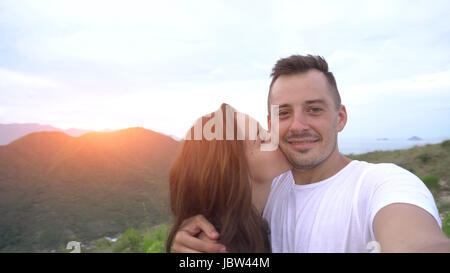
336,214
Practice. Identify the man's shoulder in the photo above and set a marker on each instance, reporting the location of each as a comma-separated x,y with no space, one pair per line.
386,170
376,174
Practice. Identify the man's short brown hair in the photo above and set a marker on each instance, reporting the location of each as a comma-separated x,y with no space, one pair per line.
298,64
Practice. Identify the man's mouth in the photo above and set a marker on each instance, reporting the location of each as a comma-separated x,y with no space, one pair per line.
303,143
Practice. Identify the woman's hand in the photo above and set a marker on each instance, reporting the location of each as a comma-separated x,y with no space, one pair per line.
196,235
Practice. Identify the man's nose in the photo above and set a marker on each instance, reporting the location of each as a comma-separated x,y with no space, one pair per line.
299,123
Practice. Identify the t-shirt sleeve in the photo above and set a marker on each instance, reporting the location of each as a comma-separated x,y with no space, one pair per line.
393,184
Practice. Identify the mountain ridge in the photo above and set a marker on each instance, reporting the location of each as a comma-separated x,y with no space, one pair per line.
55,187
13,131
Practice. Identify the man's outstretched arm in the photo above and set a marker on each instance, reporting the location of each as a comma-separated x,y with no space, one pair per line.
402,227
197,234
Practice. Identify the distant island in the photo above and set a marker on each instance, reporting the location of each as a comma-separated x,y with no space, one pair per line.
415,138
383,139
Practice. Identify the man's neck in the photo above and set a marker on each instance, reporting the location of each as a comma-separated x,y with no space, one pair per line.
329,167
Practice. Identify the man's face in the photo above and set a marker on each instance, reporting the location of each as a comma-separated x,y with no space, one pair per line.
308,119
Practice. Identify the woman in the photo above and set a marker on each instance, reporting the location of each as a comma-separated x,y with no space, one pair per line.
215,177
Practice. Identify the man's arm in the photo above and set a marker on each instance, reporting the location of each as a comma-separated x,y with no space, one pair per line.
402,227
196,235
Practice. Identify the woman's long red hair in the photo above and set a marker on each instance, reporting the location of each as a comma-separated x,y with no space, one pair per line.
209,177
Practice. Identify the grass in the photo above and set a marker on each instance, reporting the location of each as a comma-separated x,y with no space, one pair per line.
446,144
432,183
143,240
424,157
446,224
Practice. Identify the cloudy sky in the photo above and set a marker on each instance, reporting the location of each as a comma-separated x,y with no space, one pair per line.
162,64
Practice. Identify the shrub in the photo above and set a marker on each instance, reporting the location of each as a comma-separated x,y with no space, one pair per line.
130,241
431,181
424,157
446,224
102,244
157,240
157,247
446,144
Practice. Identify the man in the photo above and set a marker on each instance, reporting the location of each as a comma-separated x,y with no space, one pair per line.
327,202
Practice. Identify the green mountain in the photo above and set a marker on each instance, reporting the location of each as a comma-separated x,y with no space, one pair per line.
55,188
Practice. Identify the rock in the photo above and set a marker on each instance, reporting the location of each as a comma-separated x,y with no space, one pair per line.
414,138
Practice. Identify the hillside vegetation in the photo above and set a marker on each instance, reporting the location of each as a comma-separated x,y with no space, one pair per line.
55,188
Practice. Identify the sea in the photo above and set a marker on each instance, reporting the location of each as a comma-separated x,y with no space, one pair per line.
348,145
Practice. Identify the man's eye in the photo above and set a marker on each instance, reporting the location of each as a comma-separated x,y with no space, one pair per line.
283,113
315,110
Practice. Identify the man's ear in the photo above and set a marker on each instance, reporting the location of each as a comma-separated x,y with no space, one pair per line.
342,118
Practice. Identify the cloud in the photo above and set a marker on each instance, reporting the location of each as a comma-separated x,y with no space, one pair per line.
428,85
175,108
144,62
416,105
15,79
